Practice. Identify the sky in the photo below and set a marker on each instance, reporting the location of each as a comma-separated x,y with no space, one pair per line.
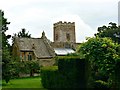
37,16
119,13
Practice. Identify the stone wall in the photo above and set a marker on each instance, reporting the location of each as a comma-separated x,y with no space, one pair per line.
62,30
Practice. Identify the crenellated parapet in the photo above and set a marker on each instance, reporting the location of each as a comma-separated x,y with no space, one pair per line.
64,32
64,23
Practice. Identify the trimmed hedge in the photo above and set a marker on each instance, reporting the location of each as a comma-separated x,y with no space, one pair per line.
74,69
48,75
117,75
99,84
70,73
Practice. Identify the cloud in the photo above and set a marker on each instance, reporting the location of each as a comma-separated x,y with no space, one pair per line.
12,3
83,30
39,15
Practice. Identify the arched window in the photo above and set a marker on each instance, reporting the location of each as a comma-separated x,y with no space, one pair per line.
29,56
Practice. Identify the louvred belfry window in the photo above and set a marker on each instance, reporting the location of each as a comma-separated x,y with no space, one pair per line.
68,36
56,36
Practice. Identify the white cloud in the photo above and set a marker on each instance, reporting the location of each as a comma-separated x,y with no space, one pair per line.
39,15
83,30
12,3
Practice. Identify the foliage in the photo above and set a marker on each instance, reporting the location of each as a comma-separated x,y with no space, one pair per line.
112,31
33,66
23,33
50,68
102,53
72,54
6,67
20,34
6,58
71,73
101,84
24,67
71,67
28,67
49,76
117,75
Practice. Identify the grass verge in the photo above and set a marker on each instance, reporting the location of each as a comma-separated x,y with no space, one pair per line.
31,82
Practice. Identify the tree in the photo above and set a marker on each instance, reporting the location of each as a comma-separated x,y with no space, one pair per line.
33,66
112,31
28,67
102,54
6,58
23,33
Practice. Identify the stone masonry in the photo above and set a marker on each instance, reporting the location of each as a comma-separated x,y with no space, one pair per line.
64,32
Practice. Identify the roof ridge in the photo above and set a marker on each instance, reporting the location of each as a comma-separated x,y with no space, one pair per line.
27,38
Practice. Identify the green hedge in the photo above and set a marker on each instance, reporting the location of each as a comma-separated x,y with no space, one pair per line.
99,84
70,73
49,76
74,69
117,75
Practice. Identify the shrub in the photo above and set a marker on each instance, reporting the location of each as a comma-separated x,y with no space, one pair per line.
101,84
75,71
49,76
70,73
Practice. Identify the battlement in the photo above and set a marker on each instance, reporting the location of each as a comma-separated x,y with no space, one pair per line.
64,32
64,23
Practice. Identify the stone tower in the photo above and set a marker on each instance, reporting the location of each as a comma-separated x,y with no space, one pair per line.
64,32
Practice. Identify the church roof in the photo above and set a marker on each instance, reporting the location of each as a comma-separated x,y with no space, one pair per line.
39,46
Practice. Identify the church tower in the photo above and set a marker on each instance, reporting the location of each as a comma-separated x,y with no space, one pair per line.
64,32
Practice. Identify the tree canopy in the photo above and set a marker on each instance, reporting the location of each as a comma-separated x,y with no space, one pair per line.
103,56
23,33
102,52
112,31
6,58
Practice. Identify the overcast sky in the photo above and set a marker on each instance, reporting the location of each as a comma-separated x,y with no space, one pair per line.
39,15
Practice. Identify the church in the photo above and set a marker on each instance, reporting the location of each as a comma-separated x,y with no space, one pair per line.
42,49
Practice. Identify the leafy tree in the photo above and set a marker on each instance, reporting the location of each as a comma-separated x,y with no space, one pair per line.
28,67
102,54
23,33
33,67
6,58
112,31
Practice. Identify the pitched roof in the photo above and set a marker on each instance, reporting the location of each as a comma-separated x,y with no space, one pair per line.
39,46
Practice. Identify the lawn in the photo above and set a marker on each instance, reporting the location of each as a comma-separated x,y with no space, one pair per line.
31,82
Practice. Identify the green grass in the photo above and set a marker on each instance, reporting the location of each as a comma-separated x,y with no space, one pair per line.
34,82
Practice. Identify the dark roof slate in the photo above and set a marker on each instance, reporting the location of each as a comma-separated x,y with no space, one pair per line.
40,46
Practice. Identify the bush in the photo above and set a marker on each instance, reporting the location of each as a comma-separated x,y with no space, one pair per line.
70,73
74,69
49,76
101,84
